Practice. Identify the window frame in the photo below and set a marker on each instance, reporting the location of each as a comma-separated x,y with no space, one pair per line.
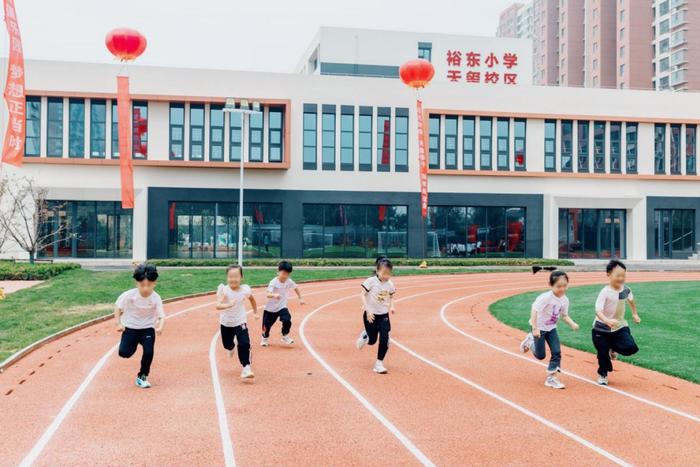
516,139
310,110
328,137
192,127
550,156
499,139
78,125
134,130
93,123
32,100
629,156
489,139
468,149
383,117
271,131
365,114
212,144
49,138
615,147
451,138
599,142
660,157
691,151
401,114
171,125
347,112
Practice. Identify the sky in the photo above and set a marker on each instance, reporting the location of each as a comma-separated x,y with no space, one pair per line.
260,35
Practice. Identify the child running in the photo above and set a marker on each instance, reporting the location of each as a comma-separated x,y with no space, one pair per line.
276,306
611,333
139,315
377,301
233,317
546,311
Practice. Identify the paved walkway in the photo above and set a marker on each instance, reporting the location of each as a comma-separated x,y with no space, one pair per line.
14,286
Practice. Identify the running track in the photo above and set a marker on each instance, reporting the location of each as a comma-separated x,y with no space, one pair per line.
457,392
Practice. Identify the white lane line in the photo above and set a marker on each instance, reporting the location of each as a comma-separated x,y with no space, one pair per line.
226,443
568,373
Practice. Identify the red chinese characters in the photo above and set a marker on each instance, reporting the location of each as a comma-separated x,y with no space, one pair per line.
14,93
477,67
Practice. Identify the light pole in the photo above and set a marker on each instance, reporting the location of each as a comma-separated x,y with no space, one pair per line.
245,109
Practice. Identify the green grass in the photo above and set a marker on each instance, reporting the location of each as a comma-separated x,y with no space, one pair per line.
79,295
667,336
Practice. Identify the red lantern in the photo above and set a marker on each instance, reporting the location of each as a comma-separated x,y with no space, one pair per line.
125,44
417,73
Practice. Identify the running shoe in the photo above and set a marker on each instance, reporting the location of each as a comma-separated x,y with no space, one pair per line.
553,382
527,343
264,342
362,340
379,368
247,373
287,340
602,380
142,382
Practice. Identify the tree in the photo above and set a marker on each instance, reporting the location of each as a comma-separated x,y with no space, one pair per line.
28,217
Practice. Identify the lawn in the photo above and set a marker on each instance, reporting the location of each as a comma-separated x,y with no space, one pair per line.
79,295
667,336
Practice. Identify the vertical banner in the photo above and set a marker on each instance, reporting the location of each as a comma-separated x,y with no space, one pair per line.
13,146
125,164
422,161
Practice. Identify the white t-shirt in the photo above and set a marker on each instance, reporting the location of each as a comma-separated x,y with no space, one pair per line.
612,303
378,295
549,309
282,288
234,315
140,312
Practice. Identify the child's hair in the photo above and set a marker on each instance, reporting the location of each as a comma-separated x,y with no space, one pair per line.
556,275
384,262
145,271
380,258
285,266
614,263
235,266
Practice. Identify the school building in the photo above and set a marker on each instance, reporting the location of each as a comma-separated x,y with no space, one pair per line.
332,165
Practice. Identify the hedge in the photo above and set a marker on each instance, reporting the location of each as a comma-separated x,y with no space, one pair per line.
466,262
10,271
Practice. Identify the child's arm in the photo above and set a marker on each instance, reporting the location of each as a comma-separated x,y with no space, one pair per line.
270,294
391,304
298,292
160,323
363,298
254,305
572,324
533,322
117,316
635,314
599,306
221,301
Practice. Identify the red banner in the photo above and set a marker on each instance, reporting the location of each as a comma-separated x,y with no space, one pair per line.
125,165
13,147
422,161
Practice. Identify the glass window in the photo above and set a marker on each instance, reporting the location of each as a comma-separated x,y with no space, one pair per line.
485,150
115,131
401,142
347,140
140,130
550,142
54,127
276,132
196,132
310,140
383,141
567,136
425,51
216,132
32,141
631,144
675,149
663,27
519,143
660,148
434,142
583,140
328,140
177,131
255,135
235,122
674,233
451,142
690,149
98,128
468,142
592,233
76,128
615,147
365,135
503,143
599,146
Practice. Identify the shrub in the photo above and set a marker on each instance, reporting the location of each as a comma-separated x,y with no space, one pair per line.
31,272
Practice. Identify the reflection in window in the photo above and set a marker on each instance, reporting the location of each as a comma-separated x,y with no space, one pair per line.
675,149
583,145
451,142
503,143
310,139
674,233
115,130
328,138
599,146
550,141
196,132
98,128
434,142
32,141
76,127
139,148
631,145
660,148
54,127
567,145
365,135
468,142
255,134
485,150
347,138
275,151
235,122
401,141
615,147
519,142
383,139
177,131
216,133
690,149
592,233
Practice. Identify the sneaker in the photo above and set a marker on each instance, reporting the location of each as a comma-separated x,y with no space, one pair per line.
362,340
379,368
527,343
553,382
287,340
247,372
613,355
602,380
142,382
264,342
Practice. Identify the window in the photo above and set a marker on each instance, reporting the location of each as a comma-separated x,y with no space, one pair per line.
328,137
216,132
196,132
485,150
255,135
663,64
235,123
663,8
468,128
592,233
425,50
347,138
595,63
622,34
98,128
365,135
595,30
622,15
519,135
383,139
275,151
615,147
622,70
599,147
54,127
675,149
631,130
674,233
663,46
550,141
660,148
583,145
622,51
567,136
503,144
401,140
76,127
691,132
595,81
32,140
140,130
664,27
177,131
310,126
434,142
115,131
450,142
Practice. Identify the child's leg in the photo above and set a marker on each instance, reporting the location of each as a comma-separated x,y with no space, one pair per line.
384,329
227,335
372,329
286,319
538,350
128,343
147,339
601,341
243,340
552,338
269,319
623,342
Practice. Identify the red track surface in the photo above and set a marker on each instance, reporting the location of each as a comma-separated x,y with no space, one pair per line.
457,392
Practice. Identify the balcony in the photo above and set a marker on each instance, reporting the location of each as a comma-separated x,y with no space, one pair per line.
678,3
679,18
678,77
678,38
679,57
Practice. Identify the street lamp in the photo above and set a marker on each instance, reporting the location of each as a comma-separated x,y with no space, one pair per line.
246,108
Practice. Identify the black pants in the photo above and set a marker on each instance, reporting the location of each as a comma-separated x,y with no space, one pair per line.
242,338
538,350
620,341
270,317
131,338
378,329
